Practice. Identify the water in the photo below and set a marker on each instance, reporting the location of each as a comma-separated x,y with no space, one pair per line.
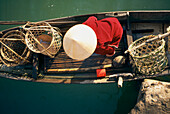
29,97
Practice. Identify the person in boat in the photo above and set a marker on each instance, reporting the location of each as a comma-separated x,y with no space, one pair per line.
93,36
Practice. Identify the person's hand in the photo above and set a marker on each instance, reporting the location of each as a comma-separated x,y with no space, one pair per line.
110,55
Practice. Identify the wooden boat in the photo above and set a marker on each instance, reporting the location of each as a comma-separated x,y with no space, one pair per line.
63,69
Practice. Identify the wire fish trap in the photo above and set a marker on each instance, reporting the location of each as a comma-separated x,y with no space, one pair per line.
149,58
13,49
41,37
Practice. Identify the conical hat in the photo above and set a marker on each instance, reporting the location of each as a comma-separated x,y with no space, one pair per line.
80,42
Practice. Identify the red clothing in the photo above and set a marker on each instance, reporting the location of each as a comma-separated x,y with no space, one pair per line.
108,31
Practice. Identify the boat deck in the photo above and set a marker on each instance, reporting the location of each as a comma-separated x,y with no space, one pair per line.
62,63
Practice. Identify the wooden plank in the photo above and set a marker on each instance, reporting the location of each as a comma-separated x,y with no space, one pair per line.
107,79
150,16
79,69
129,37
168,44
130,41
35,67
62,63
60,78
168,54
63,81
129,32
149,28
24,22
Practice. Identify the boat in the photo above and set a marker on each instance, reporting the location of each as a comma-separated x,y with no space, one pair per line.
62,69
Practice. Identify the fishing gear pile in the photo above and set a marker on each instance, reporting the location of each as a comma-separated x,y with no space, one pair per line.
39,37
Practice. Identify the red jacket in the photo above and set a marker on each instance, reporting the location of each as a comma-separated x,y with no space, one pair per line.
108,32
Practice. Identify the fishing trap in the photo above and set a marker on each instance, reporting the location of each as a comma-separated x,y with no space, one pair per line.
13,50
42,38
149,58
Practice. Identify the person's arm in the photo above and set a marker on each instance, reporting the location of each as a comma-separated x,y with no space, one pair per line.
103,50
90,21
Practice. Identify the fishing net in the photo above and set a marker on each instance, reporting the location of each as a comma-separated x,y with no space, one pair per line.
13,49
41,37
149,58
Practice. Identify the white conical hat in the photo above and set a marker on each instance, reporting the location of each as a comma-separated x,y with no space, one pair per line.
80,42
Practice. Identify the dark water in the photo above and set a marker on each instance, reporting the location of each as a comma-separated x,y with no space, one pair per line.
21,97
28,97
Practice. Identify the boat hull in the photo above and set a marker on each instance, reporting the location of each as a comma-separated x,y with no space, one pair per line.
63,69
